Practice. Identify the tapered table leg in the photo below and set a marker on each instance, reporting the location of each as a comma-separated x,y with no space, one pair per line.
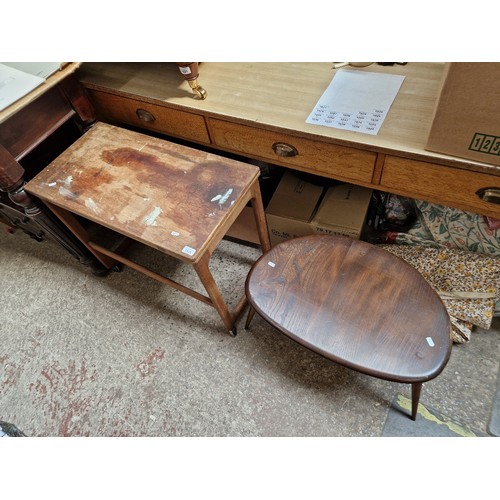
213,291
416,389
251,313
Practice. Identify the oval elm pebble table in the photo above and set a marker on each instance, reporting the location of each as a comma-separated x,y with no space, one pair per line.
355,304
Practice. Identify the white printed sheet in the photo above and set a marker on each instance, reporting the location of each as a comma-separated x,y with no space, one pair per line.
356,100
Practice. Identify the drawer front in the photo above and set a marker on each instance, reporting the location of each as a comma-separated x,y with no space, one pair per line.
443,185
316,157
150,116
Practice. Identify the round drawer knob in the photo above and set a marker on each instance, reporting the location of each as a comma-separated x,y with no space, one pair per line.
491,195
145,116
283,149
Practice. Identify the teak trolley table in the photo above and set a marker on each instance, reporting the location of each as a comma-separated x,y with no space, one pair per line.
178,200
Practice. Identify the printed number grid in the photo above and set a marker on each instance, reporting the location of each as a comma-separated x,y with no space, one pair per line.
485,143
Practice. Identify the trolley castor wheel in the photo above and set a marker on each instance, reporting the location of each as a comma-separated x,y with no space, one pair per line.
117,268
102,272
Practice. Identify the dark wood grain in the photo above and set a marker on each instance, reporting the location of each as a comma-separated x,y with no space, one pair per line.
30,126
354,303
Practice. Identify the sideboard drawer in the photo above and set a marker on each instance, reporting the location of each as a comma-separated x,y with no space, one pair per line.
148,116
321,158
443,185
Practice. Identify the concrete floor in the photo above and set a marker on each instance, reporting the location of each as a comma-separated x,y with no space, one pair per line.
126,356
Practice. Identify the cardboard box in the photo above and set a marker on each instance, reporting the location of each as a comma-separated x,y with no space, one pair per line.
299,208
244,227
466,116
343,211
291,209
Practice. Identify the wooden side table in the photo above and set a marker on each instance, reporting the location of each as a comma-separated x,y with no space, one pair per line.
178,200
355,304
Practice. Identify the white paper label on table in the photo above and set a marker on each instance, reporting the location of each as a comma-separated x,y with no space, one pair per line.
356,100
188,250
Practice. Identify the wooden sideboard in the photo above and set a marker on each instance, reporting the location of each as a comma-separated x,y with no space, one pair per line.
259,111
33,131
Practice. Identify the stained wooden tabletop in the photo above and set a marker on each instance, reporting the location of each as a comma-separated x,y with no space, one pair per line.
355,304
168,196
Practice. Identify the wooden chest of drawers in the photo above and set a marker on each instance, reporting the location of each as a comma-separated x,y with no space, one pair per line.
259,111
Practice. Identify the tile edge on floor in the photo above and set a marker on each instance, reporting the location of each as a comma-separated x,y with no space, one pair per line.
429,422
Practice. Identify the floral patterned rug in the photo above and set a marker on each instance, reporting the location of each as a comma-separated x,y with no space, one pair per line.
458,253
